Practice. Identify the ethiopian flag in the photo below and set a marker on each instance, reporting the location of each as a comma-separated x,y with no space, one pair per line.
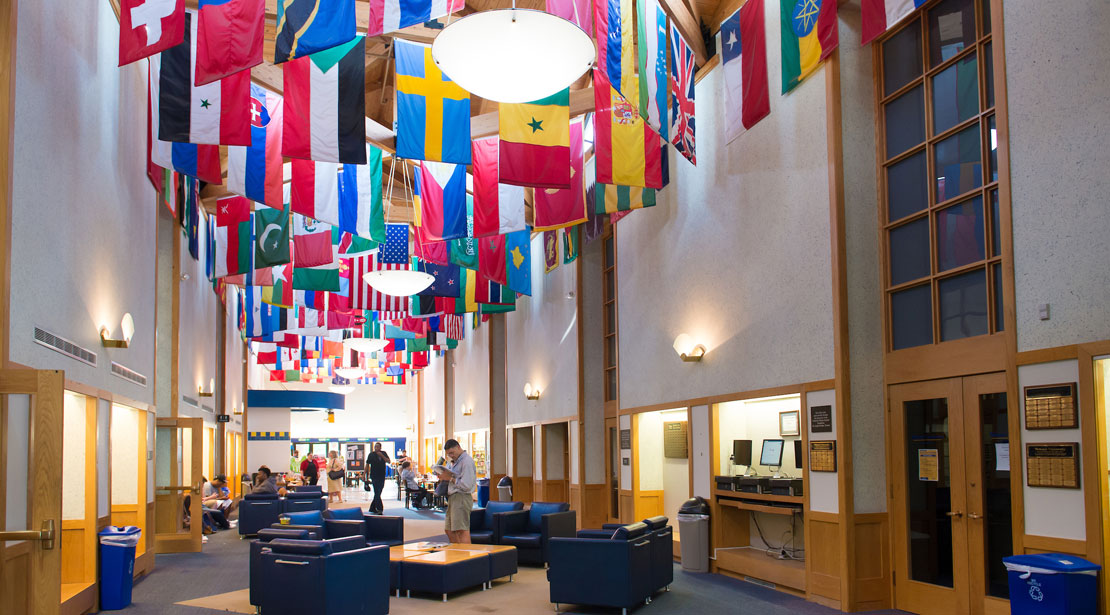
535,142
609,199
809,35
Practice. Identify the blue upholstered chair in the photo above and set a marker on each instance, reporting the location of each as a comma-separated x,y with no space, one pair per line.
307,489
257,547
530,530
483,521
312,521
258,511
376,529
608,572
662,553
333,577
300,501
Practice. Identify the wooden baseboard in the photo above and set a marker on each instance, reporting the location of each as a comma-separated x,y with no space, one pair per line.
79,602
755,563
144,564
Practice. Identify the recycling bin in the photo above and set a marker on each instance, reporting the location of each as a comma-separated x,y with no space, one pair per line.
483,492
117,565
1052,584
693,528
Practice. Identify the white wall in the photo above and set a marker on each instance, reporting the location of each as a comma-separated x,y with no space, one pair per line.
200,311
575,445
434,383
234,349
700,448
104,463
272,453
471,379
756,420
591,320
73,455
523,447
822,486
555,437
657,472
625,422
82,208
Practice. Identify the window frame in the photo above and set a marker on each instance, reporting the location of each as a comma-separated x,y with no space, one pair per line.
610,329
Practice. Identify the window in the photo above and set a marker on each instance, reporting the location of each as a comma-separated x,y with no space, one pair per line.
609,296
940,178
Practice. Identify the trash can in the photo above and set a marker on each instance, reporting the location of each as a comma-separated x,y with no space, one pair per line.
117,565
505,489
1052,584
483,492
693,531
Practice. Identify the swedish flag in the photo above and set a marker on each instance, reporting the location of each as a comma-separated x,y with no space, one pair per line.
433,112
308,26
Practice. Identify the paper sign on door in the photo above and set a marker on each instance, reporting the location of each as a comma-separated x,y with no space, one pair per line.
927,467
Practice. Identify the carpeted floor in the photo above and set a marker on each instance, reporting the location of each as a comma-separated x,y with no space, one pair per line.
216,579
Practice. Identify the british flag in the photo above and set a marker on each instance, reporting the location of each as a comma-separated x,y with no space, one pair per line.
363,297
682,96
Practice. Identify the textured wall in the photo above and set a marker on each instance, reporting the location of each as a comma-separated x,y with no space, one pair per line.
83,209
200,311
104,465
736,254
73,455
273,453
233,362
471,377
1056,54
593,330
125,454
433,396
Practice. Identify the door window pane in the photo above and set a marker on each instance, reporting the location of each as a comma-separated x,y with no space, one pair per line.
992,148
907,186
611,317
963,305
996,276
909,251
951,29
996,238
986,4
608,252
911,317
905,122
610,384
902,58
611,350
928,491
997,518
958,164
956,94
960,235
988,72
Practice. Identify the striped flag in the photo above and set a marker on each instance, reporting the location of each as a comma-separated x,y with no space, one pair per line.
498,208
256,171
611,199
199,161
808,35
315,190
312,245
234,236
309,26
558,208
229,37
393,15
743,44
442,201
363,297
325,115
878,16
682,96
628,151
615,55
651,25
360,197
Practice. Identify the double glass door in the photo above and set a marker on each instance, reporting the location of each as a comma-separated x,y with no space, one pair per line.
952,521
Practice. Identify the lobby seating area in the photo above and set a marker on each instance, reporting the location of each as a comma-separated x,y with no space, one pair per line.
259,511
338,576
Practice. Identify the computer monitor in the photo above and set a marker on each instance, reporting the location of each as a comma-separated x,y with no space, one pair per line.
798,454
742,452
771,455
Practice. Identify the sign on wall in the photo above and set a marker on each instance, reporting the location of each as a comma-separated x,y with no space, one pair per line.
626,439
820,419
1053,464
674,440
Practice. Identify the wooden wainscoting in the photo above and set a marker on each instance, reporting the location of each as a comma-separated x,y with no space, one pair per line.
556,491
148,528
78,598
594,511
14,597
627,511
788,575
823,538
144,563
872,566
1048,544
648,504
77,559
574,496
522,489
125,514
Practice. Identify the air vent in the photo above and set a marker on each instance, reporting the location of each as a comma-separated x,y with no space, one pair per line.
189,400
64,346
208,409
128,374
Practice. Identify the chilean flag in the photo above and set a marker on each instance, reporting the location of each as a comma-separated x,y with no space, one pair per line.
442,201
256,171
391,15
230,37
147,27
878,16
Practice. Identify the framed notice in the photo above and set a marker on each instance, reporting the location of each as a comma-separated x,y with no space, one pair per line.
1052,464
674,440
820,419
626,439
788,423
1051,407
822,456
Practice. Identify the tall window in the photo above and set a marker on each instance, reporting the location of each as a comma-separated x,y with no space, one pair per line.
940,176
609,283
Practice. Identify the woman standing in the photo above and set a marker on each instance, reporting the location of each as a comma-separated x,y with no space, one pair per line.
335,476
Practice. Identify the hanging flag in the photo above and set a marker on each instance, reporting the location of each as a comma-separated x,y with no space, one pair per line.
498,208
613,24
442,201
305,27
578,12
351,245
878,16
550,251
363,297
311,242
199,161
210,247
280,290
570,244
192,216
446,280
808,35
518,256
314,189
535,142
325,105
611,199
392,15
395,250
491,258
234,236
360,197
651,26
744,61
555,208
147,27
271,230
256,171
463,252
433,112
324,277
628,151
229,37
682,96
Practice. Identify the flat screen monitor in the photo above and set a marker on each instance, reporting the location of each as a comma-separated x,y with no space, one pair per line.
742,452
798,454
771,454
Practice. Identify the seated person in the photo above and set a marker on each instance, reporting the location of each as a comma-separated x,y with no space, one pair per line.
215,495
419,494
265,482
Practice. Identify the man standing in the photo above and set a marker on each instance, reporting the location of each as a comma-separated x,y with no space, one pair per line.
375,463
461,479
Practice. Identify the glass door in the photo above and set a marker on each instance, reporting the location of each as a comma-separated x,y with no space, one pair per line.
179,454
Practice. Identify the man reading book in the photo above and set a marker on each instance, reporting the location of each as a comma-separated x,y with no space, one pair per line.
461,479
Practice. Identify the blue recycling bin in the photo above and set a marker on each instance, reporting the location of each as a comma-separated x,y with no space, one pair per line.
117,565
483,492
1052,584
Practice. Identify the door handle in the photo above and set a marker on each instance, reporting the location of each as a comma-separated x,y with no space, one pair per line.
46,534
974,516
954,513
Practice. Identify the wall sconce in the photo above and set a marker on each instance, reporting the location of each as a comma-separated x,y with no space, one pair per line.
237,410
530,393
431,419
127,327
331,416
466,411
211,389
687,350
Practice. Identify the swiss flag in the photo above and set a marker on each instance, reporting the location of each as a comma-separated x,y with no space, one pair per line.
147,27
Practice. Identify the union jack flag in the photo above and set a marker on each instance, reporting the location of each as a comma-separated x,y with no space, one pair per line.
363,297
682,96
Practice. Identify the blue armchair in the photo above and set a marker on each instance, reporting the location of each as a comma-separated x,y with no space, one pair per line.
484,521
613,572
307,489
662,553
337,577
376,529
530,530
258,511
300,501
311,521
263,544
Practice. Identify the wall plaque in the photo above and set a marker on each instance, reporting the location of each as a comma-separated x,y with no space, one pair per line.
674,440
822,456
1051,407
1054,464
820,419
626,439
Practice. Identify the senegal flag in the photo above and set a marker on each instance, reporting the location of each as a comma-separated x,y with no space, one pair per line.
809,35
535,142
610,199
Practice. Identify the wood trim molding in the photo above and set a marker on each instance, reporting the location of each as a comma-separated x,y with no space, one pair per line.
1047,355
8,14
1049,543
561,419
175,324
1093,458
789,389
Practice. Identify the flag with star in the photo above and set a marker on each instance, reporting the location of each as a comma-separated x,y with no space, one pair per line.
682,96
395,250
433,112
272,238
446,283
743,44
809,35
518,261
535,142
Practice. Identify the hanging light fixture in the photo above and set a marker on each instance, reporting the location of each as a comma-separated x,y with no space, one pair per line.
350,373
365,344
513,55
342,390
398,282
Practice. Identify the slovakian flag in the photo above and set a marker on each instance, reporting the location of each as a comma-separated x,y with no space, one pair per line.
314,190
229,37
256,171
743,44
556,208
433,112
442,201
682,96
616,57
498,208
199,161
217,113
311,242
147,27
325,109
651,60
234,236
878,16
808,35
628,151
360,197
393,15
305,27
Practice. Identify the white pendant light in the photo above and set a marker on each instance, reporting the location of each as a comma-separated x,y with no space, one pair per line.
342,390
350,373
365,344
398,282
513,55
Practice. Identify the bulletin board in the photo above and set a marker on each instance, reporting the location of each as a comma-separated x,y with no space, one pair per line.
822,456
674,440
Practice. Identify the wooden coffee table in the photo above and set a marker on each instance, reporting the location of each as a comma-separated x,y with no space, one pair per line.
444,571
502,558
396,554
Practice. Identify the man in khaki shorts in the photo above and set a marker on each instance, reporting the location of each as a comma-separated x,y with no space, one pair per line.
461,477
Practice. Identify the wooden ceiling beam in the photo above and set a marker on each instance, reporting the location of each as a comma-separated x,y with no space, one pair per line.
688,26
724,9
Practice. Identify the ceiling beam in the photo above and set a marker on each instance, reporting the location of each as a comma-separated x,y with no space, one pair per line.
688,27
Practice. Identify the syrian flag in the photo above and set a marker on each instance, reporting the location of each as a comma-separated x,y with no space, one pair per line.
360,197
315,190
199,161
325,115
147,27
217,113
256,171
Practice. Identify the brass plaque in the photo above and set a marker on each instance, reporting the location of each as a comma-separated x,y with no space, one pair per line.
1051,407
1054,464
674,440
822,456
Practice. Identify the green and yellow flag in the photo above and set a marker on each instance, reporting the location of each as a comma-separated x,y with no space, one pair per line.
609,199
535,142
809,35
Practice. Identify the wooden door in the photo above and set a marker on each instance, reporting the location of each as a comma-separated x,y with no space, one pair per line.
613,470
173,481
31,469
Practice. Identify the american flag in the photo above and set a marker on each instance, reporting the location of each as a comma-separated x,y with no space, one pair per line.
682,96
363,297
395,250
453,326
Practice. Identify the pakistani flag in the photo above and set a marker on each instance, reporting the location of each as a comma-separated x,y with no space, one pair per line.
271,231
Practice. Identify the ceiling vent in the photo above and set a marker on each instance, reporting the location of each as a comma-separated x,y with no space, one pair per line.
64,346
128,374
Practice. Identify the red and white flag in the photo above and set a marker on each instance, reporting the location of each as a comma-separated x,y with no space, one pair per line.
315,190
147,27
364,297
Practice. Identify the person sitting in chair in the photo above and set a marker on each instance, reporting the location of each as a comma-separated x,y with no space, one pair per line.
418,494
